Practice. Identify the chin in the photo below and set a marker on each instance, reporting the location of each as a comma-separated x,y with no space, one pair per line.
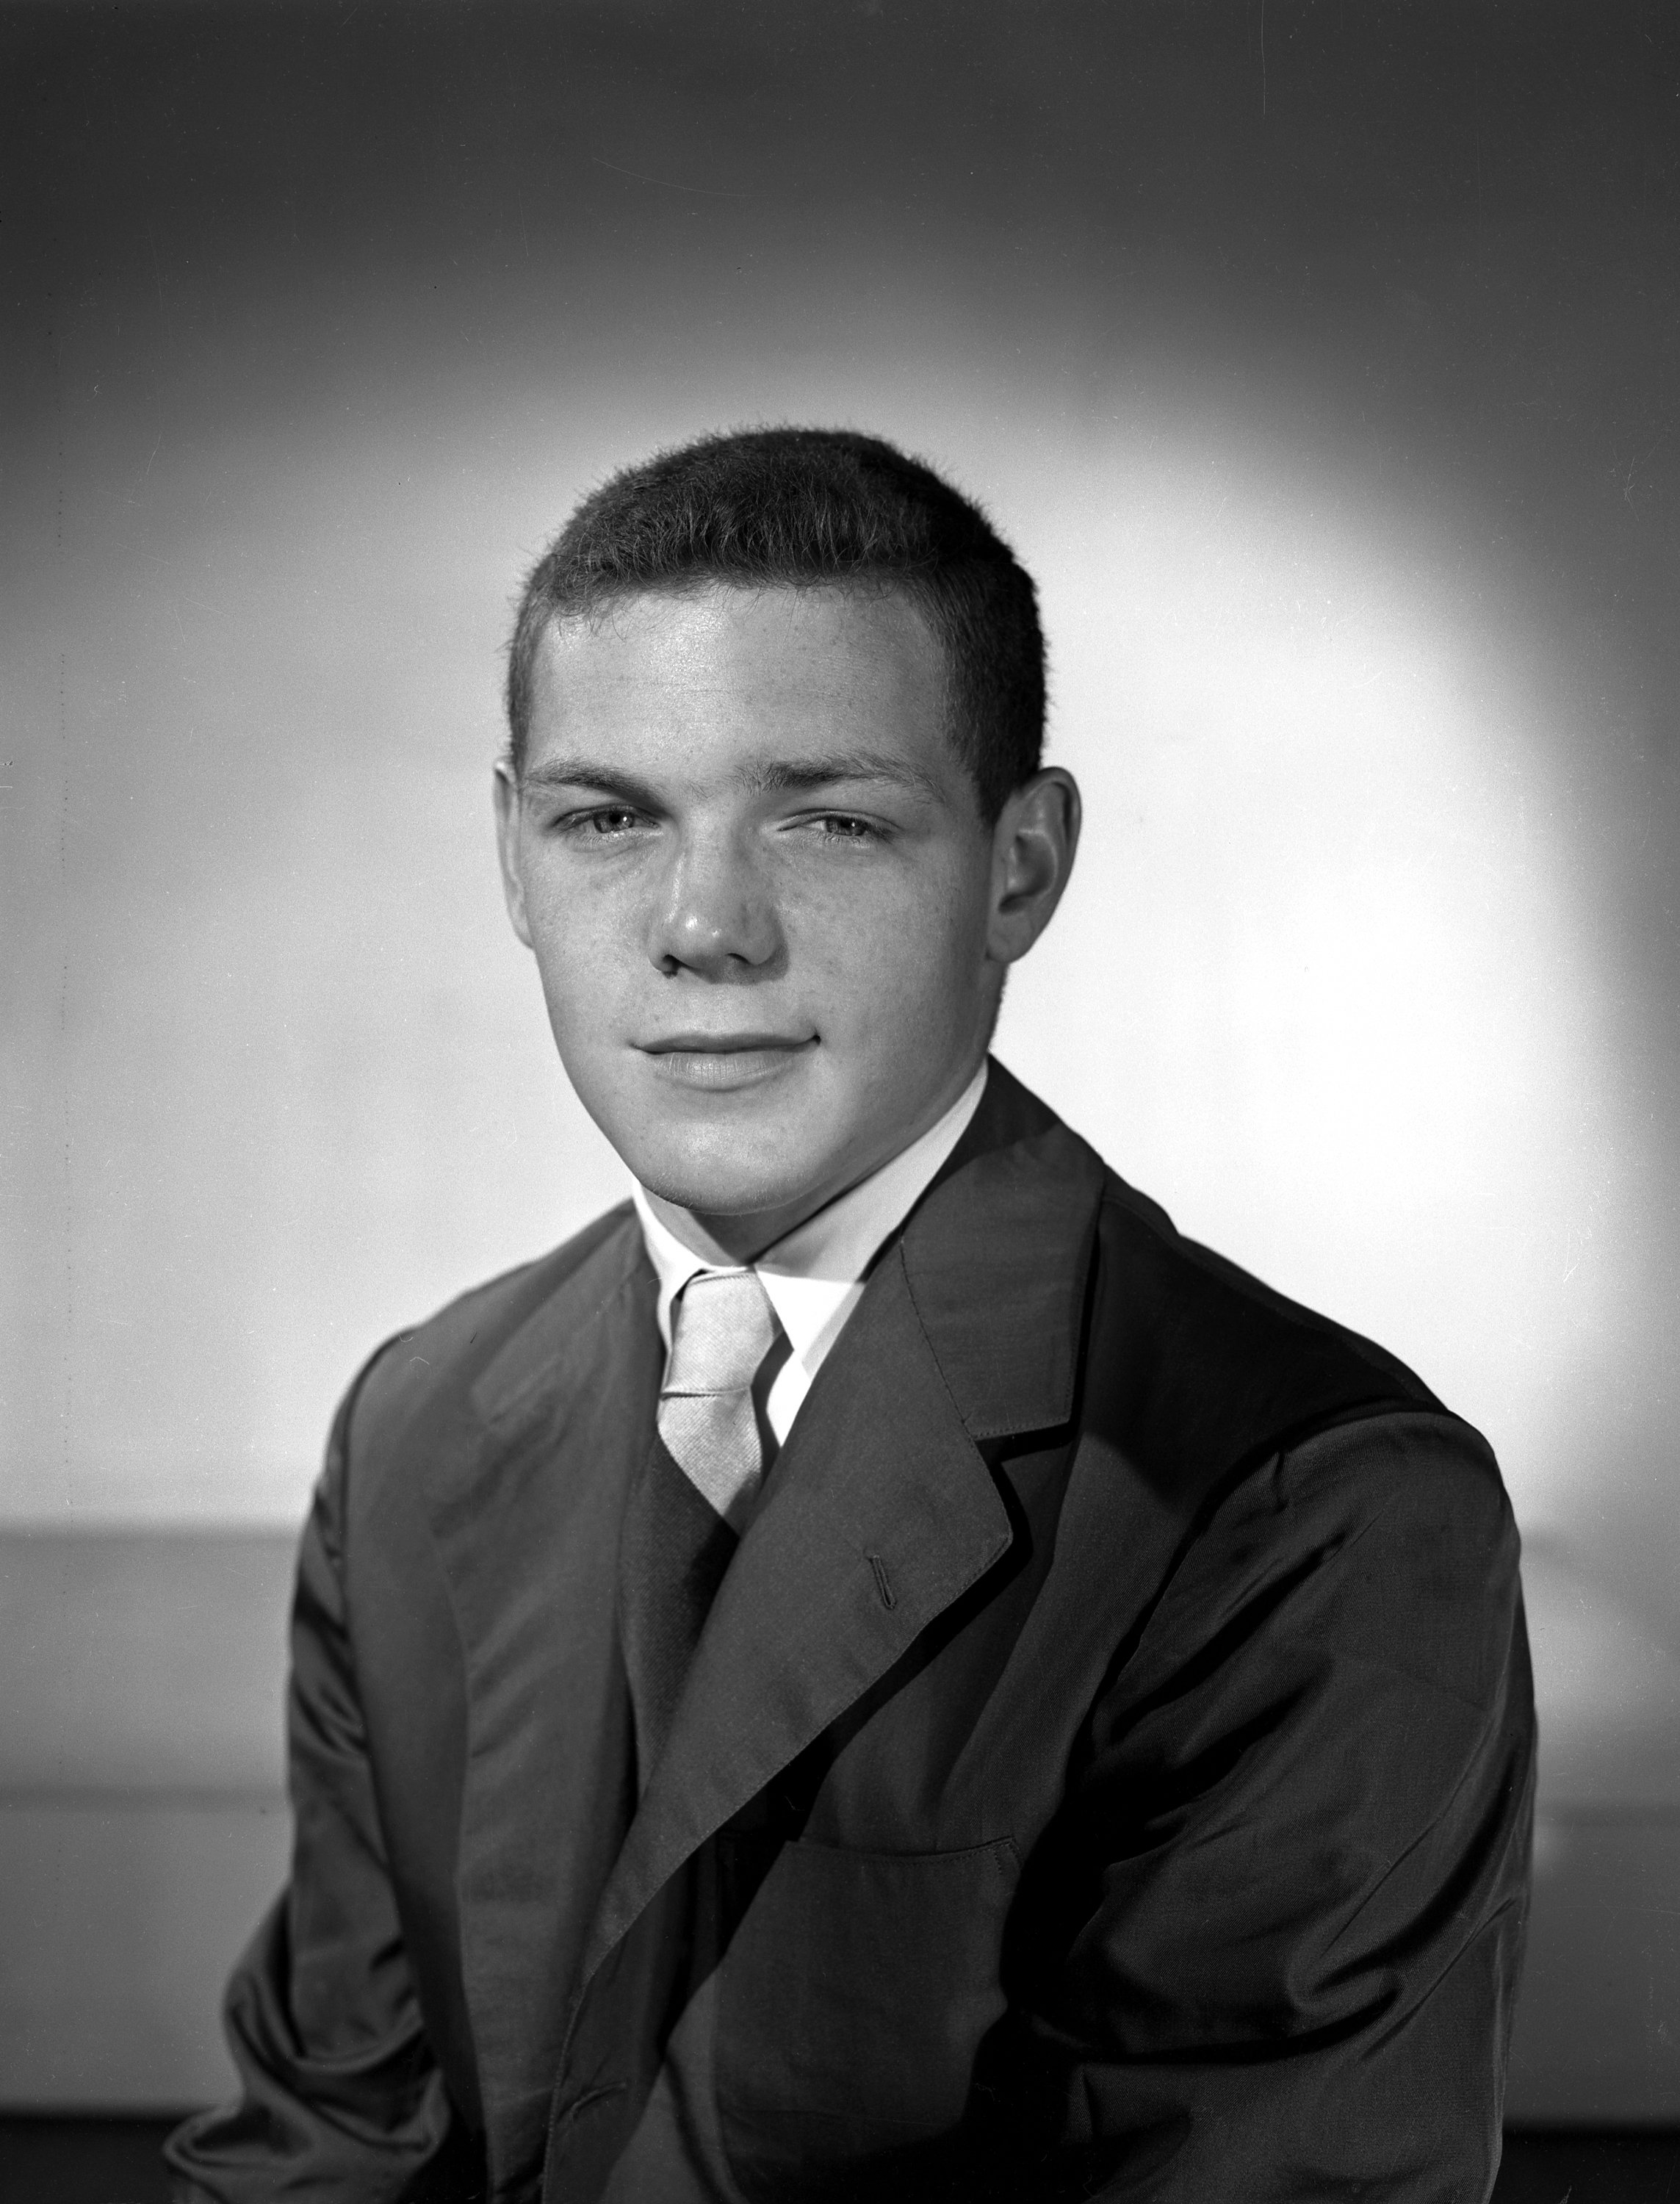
722,1193
726,1179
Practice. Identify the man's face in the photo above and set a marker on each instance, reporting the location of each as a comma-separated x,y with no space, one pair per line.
759,890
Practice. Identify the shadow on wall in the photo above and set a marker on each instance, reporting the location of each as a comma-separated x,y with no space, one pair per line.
144,1828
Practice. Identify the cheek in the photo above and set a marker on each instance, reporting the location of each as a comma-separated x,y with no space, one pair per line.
578,943
893,950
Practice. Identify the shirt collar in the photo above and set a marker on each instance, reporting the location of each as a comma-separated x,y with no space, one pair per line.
814,1276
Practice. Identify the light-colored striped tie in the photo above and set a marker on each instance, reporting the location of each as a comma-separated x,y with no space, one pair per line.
723,1327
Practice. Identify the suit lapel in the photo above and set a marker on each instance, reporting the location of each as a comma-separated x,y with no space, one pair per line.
874,1524
998,1259
882,1510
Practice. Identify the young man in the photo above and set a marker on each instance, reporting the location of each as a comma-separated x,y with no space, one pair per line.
877,1670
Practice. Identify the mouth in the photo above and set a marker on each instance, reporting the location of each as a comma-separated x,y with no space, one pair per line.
725,1061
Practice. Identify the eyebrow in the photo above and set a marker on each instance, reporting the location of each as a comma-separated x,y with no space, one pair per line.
841,765
767,779
583,773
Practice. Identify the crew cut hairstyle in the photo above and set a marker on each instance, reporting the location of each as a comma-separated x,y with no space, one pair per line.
806,509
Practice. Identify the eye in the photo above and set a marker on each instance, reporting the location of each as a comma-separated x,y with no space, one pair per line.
608,822
845,826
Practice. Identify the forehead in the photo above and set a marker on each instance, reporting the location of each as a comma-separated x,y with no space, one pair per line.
739,669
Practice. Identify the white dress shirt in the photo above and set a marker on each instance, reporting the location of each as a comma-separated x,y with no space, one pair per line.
814,1278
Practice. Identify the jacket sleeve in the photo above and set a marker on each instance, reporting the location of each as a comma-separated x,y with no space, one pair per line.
1282,1920
340,2093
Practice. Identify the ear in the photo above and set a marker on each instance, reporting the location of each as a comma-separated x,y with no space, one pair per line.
1032,849
506,792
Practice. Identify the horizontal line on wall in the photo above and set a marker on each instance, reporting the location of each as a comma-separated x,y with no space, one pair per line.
180,1530
1607,1814
141,1798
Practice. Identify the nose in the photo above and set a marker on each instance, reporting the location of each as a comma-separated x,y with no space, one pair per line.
713,915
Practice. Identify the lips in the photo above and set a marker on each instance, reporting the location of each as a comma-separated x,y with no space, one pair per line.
703,1044
725,1062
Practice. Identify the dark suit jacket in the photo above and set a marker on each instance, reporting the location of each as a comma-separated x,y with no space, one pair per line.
1112,1741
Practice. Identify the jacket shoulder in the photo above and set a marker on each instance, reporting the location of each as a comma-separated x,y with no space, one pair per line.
429,1365
1201,1371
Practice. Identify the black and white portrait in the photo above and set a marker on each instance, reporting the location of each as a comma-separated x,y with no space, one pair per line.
842,1217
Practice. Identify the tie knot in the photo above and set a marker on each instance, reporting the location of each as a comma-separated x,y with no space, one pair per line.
724,1327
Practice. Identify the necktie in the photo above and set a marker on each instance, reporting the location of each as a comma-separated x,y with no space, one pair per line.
695,1492
725,1327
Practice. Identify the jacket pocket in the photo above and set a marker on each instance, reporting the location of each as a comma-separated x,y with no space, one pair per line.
852,2000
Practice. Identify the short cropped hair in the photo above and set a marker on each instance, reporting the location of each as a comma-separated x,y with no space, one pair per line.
804,509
